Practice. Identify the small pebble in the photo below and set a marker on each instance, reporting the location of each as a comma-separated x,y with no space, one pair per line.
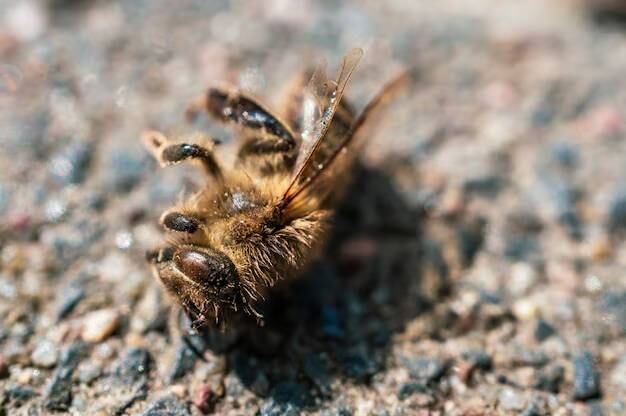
205,398
550,378
526,309
618,376
89,373
68,299
543,330
45,354
58,394
617,212
99,325
600,248
478,359
133,367
425,369
70,166
316,371
165,406
523,278
4,368
586,377
55,210
511,399
18,394
26,19
410,388
126,170
565,154
357,363
286,399
532,410
183,363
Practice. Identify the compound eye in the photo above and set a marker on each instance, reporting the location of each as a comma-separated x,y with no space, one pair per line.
213,268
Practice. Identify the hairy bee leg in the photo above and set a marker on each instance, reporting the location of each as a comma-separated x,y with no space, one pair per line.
236,107
266,136
170,154
173,220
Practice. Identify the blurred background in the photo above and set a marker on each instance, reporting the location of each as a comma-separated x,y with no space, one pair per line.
479,267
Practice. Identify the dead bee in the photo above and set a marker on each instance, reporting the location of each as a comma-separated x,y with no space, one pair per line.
261,221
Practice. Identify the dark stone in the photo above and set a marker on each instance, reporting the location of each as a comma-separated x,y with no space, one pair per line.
125,170
70,166
478,359
565,154
18,395
58,394
613,303
331,322
425,369
571,222
543,330
488,185
5,197
470,239
184,361
250,373
596,409
520,246
522,221
561,196
532,409
357,364
168,405
340,410
550,379
286,399
586,378
315,370
133,367
617,212
410,388
96,201
69,297
489,298
523,356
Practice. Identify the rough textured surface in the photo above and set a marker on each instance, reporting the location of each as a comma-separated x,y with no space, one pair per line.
477,266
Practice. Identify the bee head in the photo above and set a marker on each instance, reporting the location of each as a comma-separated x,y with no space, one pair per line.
204,281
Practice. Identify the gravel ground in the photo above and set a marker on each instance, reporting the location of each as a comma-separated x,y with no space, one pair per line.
477,267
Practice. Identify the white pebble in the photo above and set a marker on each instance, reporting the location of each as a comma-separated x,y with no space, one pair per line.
99,325
27,20
45,354
526,309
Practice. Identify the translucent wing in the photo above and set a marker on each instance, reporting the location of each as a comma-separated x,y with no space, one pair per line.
321,100
331,176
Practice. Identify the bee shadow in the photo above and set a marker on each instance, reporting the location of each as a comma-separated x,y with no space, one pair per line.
380,271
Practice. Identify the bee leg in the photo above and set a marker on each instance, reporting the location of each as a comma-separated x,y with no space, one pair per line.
175,221
236,107
170,154
266,134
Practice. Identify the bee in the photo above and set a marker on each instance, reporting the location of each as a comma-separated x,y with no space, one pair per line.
263,219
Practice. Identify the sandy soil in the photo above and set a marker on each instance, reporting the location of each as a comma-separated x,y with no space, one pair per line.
477,266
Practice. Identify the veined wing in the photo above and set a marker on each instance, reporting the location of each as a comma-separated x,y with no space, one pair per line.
321,101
